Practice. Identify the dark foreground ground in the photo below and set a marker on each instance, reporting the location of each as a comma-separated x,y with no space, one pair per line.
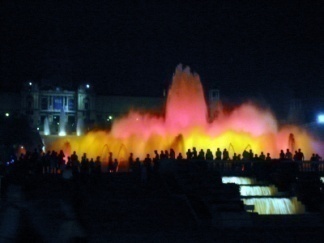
120,208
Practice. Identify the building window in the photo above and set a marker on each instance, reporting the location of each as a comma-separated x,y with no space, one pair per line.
71,104
86,103
44,103
57,102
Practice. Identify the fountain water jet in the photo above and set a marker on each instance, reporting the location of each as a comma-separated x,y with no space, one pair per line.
186,114
80,127
46,127
62,131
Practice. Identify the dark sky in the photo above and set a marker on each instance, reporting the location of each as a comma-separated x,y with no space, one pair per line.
266,49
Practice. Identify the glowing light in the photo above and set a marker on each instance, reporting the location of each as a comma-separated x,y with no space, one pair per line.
7,114
30,83
320,118
185,125
61,134
37,128
88,86
322,179
110,117
22,147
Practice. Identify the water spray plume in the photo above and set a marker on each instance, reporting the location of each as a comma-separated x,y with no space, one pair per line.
185,125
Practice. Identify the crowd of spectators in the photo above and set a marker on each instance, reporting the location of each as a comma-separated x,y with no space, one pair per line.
53,162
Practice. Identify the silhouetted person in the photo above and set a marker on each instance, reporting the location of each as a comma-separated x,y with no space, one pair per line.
156,161
47,162
314,162
246,155
179,157
147,162
166,154
300,155
110,162
91,166
189,154
162,155
156,155
268,158
225,154
194,153
98,165
172,154
74,157
137,165
218,154
251,154
201,154
61,157
282,155
53,162
288,155
75,163
209,155
130,162
85,164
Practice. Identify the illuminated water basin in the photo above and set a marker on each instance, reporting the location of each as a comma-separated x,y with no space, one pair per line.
238,180
262,197
258,190
275,205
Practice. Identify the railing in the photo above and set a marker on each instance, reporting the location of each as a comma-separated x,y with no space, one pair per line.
247,165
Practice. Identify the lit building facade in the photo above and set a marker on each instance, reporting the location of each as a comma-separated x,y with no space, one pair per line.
39,103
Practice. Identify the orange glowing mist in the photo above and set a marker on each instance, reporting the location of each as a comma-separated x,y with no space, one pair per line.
185,125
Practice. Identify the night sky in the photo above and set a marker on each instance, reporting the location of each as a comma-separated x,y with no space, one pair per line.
264,49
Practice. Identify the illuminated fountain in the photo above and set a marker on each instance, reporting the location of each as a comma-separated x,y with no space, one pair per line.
46,127
62,125
80,127
258,190
276,205
185,125
265,198
238,180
